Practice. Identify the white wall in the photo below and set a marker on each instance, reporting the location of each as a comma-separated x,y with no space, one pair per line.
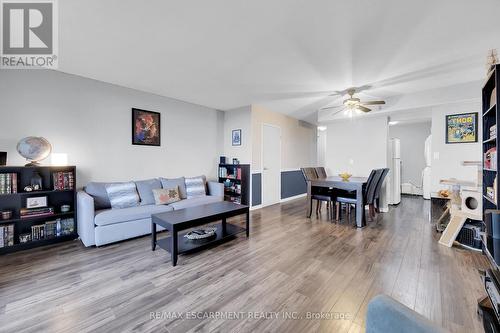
91,121
240,118
447,162
412,138
357,146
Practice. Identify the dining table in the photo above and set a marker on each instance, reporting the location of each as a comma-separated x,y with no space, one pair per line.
354,184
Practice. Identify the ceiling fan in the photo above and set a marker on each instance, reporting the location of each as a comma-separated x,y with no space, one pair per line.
353,103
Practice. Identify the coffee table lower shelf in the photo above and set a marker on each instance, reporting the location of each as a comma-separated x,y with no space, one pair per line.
185,245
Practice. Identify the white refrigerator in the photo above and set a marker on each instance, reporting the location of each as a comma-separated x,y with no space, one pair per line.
395,171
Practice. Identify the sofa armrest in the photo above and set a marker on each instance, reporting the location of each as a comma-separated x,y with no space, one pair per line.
216,189
85,218
387,315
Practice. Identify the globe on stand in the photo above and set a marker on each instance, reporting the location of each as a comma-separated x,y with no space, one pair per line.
34,149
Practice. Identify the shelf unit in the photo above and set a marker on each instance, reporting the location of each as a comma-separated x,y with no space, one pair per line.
236,180
55,198
490,117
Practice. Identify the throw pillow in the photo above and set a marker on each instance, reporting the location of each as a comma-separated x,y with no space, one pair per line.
166,196
98,192
196,187
122,195
145,189
172,183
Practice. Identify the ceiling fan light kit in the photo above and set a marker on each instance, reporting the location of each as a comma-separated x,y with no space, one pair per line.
353,104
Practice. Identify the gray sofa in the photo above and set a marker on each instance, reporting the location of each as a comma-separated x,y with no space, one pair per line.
98,224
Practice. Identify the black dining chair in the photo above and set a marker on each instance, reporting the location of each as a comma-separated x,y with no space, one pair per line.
376,204
321,172
368,194
317,194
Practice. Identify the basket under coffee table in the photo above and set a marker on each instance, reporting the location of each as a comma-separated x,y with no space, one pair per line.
179,220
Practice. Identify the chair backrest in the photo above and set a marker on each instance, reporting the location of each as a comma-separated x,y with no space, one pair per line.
321,172
371,186
380,182
309,173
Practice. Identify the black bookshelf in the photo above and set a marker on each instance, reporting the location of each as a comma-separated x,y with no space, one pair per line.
55,198
236,180
490,117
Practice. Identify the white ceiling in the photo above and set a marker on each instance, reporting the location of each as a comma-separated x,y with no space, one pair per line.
283,54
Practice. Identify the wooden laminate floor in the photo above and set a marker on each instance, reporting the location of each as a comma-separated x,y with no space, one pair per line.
290,266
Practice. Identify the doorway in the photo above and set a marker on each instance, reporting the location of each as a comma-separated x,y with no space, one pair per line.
271,164
410,161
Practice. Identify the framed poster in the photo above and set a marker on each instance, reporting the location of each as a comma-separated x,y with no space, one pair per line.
461,128
236,137
146,127
36,202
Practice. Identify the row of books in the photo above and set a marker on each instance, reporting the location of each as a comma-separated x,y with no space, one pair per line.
493,131
232,173
6,235
63,180
49,229
35,212
8,183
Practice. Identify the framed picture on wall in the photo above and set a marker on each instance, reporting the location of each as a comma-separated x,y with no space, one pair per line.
146,128
236,137
461,128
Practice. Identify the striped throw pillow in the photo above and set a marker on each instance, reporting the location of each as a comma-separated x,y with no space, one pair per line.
122,195
195,187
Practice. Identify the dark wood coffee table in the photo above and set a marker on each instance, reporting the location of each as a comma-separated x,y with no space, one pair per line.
182,219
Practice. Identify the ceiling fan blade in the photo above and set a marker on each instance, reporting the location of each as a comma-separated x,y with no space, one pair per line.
336,112
373,103
362,108
330,107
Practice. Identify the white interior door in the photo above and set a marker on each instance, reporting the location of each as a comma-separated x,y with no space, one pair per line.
271,164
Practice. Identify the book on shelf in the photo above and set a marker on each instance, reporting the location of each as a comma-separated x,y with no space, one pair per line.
238,173
63,180
67,226
6,235
36,212
8,183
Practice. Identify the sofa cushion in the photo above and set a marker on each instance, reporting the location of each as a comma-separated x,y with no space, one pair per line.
165,196
98,192
172,183
112,216
145,189
196,187
195,202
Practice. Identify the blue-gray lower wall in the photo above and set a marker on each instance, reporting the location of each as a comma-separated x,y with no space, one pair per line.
292,184
256,189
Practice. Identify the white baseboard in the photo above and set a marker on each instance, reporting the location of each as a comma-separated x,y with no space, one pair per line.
256,207
281,201
294,197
